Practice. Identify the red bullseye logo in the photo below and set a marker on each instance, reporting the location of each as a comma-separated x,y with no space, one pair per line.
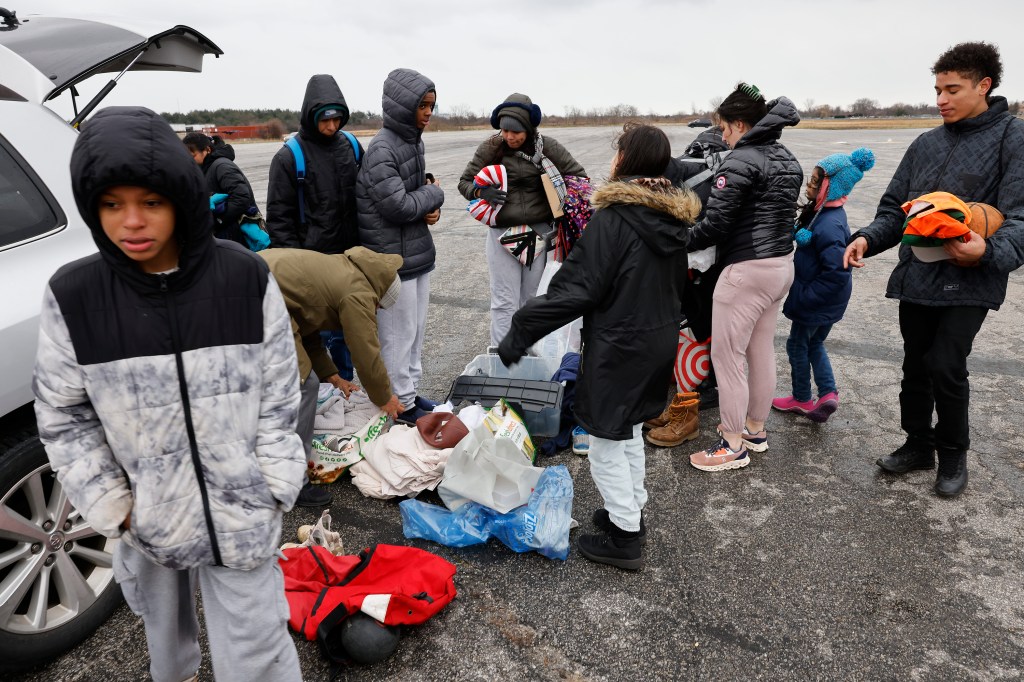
693,362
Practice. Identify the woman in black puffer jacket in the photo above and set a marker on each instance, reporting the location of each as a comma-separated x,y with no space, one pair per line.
750,218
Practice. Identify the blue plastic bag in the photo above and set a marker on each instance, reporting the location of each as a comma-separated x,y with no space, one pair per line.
541,525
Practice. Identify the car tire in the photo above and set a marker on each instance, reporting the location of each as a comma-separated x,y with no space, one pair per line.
46,550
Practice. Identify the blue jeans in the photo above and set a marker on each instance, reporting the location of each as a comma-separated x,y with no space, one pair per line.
334,342
806,349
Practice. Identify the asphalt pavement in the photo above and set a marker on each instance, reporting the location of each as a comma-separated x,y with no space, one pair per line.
808,564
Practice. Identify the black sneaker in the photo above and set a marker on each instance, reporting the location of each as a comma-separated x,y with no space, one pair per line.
424,404
410,416
314,496
617,548
908,457
952,475
604,524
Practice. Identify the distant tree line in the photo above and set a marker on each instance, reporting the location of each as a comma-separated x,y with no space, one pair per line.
286,120
463,117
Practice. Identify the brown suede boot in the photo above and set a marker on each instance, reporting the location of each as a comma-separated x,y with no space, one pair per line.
681,426
663,418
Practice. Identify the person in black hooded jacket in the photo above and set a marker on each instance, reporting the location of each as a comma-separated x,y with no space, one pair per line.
329,193
223,176
167,393
749,217
327,221
623,278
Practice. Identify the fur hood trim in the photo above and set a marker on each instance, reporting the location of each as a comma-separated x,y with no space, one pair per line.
681,204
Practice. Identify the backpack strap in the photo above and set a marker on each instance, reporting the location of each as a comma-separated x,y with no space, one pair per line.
300,175
352,141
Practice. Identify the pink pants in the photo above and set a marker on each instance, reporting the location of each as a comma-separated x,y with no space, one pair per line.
743,319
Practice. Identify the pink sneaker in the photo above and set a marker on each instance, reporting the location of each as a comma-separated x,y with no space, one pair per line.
791,404
720,458
823,409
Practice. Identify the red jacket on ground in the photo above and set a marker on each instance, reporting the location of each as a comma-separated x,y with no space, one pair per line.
395,585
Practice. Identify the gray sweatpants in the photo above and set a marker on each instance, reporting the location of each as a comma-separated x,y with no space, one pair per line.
400,330
309,389
246,617
512,285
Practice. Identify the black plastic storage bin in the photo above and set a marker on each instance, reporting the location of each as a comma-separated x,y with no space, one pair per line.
540,402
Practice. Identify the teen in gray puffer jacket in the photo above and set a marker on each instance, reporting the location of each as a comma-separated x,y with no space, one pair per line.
396,208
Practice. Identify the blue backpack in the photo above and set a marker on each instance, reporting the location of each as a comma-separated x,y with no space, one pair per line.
300,167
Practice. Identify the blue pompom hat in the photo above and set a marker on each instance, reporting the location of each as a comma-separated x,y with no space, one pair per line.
845,170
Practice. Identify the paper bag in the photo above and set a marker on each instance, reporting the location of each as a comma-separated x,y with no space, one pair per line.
554,201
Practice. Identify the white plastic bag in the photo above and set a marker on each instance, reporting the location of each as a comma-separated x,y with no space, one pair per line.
703,260
491,471
564,340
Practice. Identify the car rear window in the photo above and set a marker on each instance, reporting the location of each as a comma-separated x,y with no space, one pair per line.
27,208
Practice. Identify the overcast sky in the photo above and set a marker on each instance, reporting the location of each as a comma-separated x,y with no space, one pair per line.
664,56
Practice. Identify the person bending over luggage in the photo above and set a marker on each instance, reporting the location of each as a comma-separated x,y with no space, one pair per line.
336,291
679,421
166,398
623,278
223,176
522,150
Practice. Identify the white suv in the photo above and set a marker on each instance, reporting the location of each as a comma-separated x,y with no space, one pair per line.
56,584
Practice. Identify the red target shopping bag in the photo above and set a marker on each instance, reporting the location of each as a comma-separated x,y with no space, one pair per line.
693,361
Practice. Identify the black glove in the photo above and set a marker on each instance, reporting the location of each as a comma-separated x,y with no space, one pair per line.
492,195
507,355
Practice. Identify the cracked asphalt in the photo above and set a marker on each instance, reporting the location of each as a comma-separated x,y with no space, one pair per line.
808,564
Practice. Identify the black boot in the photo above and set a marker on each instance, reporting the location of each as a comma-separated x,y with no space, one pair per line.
708,391
314,496
617,548
912,455
604,524
952,477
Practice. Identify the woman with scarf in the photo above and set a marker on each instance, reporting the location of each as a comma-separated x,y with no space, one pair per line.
527,157
624,277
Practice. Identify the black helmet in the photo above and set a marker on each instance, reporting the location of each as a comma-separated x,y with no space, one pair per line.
359,638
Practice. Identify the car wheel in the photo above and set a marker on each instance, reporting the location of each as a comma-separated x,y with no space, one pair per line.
56,581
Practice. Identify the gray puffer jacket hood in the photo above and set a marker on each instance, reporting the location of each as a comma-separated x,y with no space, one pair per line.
403,90
392,196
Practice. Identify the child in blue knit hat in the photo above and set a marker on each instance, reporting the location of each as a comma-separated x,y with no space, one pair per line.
822,286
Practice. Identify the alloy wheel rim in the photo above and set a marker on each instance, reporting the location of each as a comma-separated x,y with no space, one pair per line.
53,565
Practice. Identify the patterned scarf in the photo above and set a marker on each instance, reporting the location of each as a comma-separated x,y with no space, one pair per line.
544,163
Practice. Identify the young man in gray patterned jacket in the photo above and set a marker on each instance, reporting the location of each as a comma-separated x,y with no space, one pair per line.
977,155
166,396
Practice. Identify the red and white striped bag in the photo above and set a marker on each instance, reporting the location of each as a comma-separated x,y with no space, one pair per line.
481,209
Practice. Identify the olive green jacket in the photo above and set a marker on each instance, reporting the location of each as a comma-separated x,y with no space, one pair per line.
324,292
526,203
